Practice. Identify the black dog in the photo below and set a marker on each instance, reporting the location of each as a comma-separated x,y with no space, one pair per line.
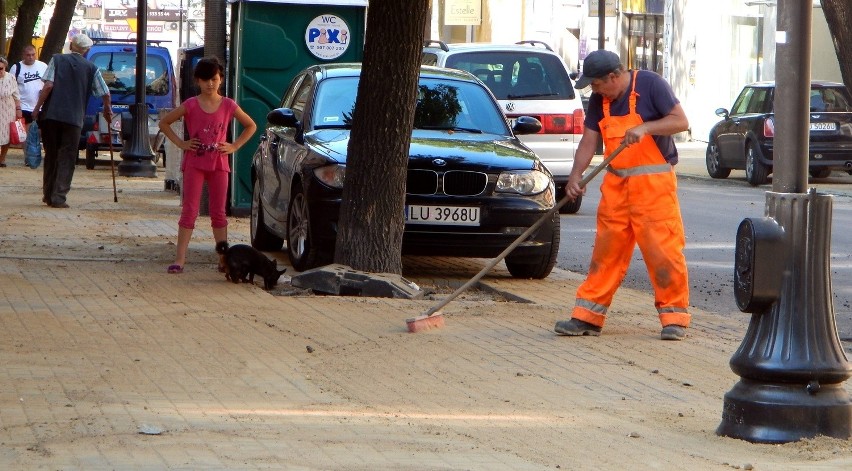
242,262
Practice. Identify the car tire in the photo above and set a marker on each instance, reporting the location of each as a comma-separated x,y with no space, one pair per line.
572,207
537,267
301,246
714,165
757,173
91,155
261,238
820,172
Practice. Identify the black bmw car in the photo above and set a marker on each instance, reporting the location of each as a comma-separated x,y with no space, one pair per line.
744,139
472,187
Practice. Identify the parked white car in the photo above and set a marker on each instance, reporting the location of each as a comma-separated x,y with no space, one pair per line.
528,79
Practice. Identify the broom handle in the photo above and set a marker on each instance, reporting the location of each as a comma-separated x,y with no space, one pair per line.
586,179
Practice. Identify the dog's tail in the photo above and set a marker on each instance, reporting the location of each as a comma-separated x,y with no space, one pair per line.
222,247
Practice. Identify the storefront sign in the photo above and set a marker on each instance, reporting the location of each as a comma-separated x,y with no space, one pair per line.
327,37
463,12
118,14
125,28
641,6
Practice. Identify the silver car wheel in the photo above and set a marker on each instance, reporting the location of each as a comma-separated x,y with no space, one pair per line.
298,226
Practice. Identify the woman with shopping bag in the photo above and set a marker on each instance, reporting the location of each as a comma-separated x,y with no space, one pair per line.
10,108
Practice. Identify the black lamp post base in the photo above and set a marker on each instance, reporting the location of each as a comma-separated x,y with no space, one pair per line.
137,168
762,412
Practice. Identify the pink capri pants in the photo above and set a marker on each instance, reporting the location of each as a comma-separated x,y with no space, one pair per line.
217,191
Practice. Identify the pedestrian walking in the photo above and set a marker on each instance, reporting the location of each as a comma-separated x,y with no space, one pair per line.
68,82
10,107
208,116
28,73
639,201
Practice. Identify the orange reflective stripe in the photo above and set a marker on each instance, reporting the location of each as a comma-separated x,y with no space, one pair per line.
639,170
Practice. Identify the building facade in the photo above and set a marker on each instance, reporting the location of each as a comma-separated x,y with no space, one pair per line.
707,50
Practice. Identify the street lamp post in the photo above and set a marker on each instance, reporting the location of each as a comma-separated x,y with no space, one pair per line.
791,362
137,158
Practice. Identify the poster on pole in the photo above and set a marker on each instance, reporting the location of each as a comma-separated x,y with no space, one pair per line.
609,8
668,25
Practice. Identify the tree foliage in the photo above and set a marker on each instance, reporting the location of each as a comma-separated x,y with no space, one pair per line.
57,31
437,106
371,221
27,16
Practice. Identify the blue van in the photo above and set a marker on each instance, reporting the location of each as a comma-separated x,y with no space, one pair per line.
116,60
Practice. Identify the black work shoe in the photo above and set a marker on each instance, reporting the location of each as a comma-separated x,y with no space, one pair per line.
673,332
576,327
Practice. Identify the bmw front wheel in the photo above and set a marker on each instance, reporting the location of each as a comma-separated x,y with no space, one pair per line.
540,265
301,247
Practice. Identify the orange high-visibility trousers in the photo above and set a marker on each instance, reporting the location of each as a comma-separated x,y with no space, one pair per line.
638,205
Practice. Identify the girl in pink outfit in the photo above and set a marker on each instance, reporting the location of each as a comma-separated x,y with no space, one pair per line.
205,157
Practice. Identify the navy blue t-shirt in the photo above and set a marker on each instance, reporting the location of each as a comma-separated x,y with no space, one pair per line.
656,99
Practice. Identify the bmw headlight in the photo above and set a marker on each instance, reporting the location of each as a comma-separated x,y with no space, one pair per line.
524,182
331,175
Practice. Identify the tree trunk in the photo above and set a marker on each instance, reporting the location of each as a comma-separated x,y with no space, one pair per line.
57,32
215,33
371,217
3,22
838,14
22,35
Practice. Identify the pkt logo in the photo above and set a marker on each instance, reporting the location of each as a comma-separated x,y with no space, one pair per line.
329,33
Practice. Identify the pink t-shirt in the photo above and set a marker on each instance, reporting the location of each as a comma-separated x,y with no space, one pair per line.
210,129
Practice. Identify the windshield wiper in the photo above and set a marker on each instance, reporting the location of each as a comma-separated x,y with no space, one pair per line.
452,128
333,126
530,95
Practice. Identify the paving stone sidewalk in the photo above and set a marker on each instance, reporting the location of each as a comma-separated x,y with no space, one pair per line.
108,362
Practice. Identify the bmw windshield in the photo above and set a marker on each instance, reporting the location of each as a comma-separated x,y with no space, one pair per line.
441,104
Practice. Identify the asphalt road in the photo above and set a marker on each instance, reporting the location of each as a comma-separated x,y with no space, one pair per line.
712,210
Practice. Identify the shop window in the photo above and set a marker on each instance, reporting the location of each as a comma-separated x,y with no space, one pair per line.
645,42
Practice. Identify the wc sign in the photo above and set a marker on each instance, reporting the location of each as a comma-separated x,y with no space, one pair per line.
327,37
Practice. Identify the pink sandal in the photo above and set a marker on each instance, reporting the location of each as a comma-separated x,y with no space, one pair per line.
175,269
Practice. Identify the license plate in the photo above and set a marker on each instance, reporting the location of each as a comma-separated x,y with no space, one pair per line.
442,215
824,126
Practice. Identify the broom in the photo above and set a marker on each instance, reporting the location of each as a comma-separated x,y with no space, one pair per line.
433,318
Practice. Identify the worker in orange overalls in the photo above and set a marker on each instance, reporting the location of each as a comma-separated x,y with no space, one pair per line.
639,201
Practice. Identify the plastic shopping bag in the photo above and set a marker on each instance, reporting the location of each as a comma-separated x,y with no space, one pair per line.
17,132
32,147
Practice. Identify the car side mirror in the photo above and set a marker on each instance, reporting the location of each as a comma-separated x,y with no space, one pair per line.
574,76
526,125
722,112
282,117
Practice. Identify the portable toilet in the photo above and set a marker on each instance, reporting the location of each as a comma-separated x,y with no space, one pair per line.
271,41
